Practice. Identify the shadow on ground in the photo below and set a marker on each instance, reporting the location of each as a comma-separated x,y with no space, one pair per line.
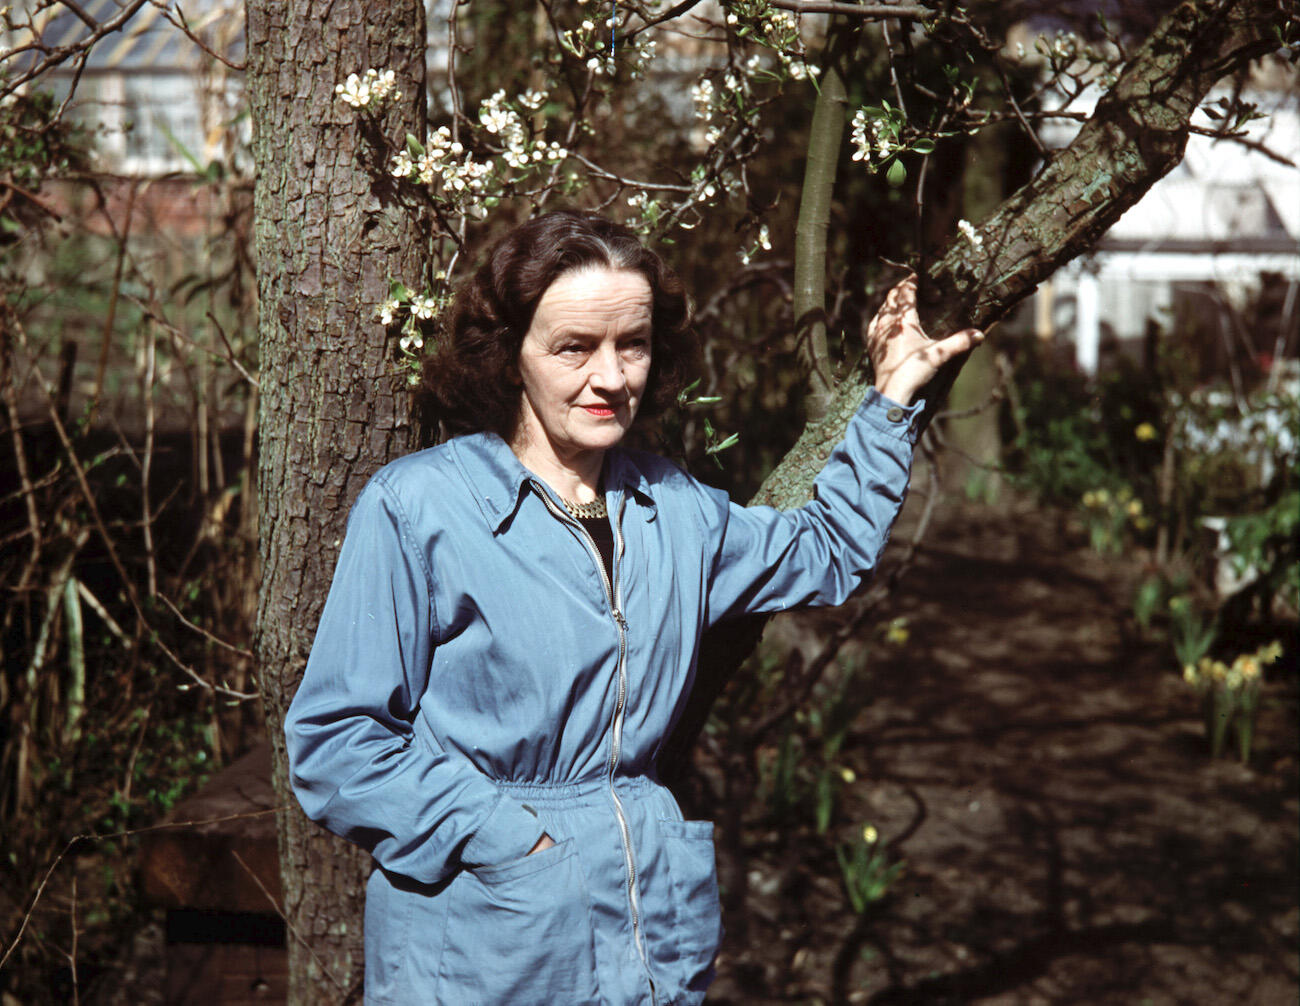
1041,771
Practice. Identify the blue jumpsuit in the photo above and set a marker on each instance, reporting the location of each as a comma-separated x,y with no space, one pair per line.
477,679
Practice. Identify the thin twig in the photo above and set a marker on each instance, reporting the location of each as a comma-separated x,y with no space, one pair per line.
230,352
179,22
129,776
672,12
32,198
61,54
600,172
20,456
237,650
866,11
146,466
288,924
164,826
110,315
72,957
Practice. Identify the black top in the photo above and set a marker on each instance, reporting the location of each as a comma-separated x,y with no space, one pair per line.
602,533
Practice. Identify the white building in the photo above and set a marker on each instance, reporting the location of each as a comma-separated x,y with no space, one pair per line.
1217,224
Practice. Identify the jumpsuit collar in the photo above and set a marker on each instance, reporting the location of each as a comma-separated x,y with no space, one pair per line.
500,480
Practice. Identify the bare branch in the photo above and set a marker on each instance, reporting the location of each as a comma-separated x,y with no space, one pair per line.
866,12
75,840
179,22
237,650
61,54
279,910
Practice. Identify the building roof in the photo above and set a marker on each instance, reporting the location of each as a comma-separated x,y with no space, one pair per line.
1223,195
148,39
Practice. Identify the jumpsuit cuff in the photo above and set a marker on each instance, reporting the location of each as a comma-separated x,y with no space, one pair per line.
508,832
890,417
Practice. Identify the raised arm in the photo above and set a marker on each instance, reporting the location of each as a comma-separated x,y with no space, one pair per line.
765,560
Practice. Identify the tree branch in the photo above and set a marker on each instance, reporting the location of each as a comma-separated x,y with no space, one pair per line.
1137,135
866,12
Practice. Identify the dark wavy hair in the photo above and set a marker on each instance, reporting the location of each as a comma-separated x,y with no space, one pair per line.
471,382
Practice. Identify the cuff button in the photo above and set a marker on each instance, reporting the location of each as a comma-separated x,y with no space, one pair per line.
895,414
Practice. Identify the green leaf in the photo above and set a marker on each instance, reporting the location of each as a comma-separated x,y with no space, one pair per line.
923,146
731,441
897,174
414,146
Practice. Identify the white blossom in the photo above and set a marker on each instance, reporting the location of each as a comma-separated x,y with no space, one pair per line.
969,232
367,90
765,238
387,310
423,307
702,95
870,139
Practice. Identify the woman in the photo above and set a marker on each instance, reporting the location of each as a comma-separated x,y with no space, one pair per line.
512,632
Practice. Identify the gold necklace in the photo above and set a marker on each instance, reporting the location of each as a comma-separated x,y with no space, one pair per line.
588,511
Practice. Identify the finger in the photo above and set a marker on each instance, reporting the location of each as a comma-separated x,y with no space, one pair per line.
902,296
958,343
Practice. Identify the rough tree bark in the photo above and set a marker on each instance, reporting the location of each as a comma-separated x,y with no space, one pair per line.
328,237
1136,136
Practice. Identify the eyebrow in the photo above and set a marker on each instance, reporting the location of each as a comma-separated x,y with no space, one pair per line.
568,331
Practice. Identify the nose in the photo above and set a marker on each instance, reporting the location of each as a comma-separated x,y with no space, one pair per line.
607,369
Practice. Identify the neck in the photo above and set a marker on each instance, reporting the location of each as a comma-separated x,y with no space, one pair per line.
575,478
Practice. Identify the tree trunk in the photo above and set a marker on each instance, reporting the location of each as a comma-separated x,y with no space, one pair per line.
973,435
328,237
824,138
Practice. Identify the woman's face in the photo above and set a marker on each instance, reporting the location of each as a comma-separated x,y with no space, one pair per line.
584,363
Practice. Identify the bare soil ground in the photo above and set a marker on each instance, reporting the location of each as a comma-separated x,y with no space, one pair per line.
1043,773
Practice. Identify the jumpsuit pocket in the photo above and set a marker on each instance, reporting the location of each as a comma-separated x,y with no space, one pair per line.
520,933
697,913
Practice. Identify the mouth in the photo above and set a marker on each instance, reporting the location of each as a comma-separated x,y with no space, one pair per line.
600,411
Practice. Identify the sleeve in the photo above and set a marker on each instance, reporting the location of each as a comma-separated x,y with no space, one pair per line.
356,764
765,560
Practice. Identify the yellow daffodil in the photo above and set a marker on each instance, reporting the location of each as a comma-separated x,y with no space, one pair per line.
897,633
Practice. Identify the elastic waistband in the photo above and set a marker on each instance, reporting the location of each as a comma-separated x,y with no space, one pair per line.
581,791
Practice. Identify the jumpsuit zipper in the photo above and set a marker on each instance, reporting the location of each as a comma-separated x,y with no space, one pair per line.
613,595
